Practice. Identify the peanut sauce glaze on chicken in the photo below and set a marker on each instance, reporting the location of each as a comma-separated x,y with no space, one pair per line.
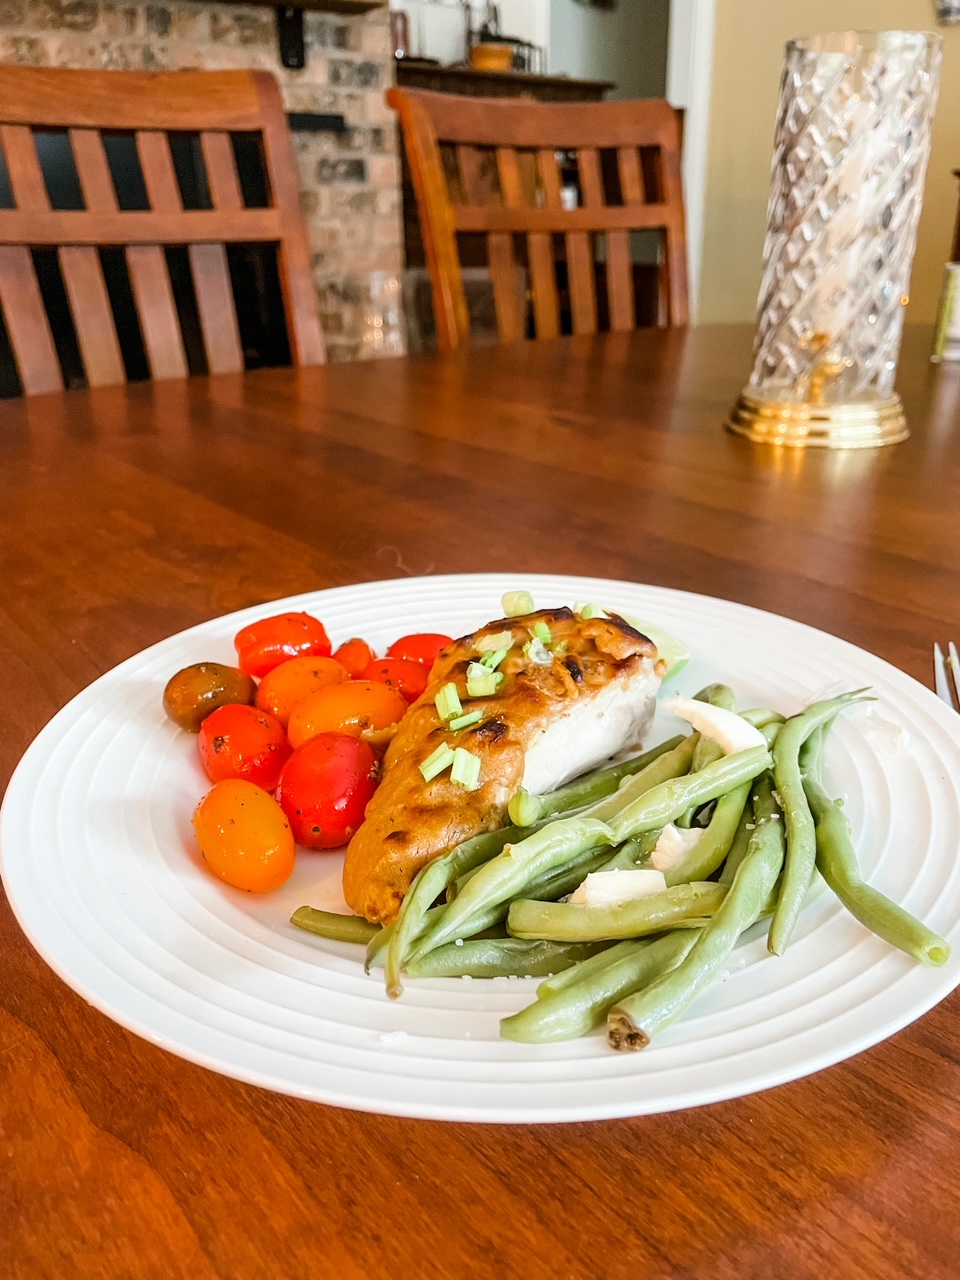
409,821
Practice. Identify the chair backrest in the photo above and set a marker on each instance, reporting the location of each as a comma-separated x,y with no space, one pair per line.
516,168
92,106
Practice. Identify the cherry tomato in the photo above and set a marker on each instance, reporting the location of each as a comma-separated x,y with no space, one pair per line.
244,836
356,655
408,678
347,708
265,644
283,687
422,647
197,690
325,787
242,742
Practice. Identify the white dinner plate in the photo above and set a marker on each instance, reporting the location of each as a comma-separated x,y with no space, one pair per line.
98,860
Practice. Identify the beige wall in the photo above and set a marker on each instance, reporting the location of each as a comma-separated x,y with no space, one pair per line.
748,51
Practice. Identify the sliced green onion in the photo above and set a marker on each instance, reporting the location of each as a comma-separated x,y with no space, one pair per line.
588,611
437,761
492,660
516,603
542,632
448,702
466,769
490,644
464,722
482,683
561,647
537,653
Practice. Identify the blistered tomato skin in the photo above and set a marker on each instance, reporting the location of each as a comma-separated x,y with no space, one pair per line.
193,693
244,836
409,679
293,681
422,647
242,742
265,644
325,787
350,708
356,655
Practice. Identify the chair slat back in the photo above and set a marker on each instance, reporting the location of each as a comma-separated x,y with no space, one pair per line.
528,172
150,106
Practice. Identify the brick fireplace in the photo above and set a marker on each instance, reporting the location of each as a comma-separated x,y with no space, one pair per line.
350,179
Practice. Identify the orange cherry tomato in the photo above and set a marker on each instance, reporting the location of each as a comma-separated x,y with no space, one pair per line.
244,836
356,655
346,708
282,688
263,645
238,741
325,787
408,678
422,647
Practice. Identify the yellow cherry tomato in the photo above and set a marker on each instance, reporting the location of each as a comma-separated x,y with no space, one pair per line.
244,836
350,708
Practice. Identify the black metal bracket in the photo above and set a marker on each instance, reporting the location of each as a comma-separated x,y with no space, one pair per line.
313,122
290,36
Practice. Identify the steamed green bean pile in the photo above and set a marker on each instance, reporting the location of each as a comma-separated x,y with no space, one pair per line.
752,825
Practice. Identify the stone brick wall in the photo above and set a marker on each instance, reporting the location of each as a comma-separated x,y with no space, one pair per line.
350,183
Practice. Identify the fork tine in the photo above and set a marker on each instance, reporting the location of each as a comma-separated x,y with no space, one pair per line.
953,667
940,677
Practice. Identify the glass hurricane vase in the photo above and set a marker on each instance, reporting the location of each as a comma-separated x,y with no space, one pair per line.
850,156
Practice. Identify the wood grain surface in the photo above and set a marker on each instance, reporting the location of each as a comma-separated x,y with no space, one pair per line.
128,513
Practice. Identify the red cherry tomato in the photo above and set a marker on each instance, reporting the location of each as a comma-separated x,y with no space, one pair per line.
422,647
265,644
244,836
242,742
325,787
408,678
356,655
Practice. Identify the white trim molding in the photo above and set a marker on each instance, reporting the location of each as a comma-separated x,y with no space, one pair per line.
689,75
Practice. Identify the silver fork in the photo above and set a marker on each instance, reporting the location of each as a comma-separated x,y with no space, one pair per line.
946,675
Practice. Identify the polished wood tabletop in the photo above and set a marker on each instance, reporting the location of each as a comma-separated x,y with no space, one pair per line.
127,514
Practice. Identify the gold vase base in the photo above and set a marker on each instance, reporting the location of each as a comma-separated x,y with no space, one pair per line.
865,425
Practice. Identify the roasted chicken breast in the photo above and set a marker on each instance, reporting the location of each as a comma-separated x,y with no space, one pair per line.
559,711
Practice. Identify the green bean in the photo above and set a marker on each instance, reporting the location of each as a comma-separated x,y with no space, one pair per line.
761,717
552,848
573,922
526,809
672,764
801,840
501,958
556,884
738,849
330,924
378,944
669,800
429,882
718,695
837,863
630,854
713,846
634,1022
588,969
707,751
584,1002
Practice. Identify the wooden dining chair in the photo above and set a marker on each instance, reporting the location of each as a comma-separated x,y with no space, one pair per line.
527,174
89,110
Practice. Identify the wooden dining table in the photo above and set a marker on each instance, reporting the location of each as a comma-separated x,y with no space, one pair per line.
128,514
